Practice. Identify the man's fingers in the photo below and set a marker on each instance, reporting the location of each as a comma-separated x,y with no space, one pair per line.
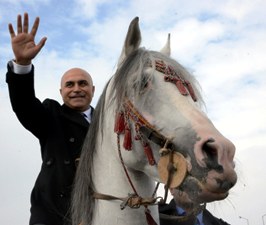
25,27
26,23
11,30
35,26
37,48
19,24
41,43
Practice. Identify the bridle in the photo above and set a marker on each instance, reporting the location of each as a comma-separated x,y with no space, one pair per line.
128,118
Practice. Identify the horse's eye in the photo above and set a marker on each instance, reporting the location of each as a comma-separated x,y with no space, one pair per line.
145,82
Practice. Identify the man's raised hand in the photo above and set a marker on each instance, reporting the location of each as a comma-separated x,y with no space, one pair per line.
23,43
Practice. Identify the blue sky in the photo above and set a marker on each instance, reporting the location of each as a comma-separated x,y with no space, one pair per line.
221,42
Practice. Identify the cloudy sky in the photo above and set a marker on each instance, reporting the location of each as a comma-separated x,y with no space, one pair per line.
222,42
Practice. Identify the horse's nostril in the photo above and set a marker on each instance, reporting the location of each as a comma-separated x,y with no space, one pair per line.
210,150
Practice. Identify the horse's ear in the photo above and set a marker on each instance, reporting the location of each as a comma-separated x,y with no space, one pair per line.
132,41
166,50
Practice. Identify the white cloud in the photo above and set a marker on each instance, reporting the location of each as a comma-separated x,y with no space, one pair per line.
222,42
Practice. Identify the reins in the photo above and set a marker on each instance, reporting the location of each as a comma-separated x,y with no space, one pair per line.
132,200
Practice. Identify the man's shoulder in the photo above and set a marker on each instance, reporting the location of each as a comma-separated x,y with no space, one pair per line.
209,217
49,101
52,105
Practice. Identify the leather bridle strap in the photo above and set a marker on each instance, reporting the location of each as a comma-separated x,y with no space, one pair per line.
153,135
132,201
153,200
157,138
123,164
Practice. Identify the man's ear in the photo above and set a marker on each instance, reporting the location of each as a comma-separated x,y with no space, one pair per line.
60,90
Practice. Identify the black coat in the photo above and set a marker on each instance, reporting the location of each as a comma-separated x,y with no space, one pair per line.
170,209
61,132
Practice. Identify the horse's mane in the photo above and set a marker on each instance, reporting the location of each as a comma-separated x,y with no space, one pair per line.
82,196
130,76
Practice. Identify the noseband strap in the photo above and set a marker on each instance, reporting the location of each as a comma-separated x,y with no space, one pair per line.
153,136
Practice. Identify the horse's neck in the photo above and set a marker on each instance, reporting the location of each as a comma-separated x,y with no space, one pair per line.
110,179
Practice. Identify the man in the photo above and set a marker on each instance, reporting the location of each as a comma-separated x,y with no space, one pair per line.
60,129
173,214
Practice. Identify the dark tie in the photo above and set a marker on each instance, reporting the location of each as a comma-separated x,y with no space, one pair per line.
86,117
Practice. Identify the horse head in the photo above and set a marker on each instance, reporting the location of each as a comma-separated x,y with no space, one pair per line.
149,125
164,93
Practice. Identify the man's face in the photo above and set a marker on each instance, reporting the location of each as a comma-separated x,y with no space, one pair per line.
77,89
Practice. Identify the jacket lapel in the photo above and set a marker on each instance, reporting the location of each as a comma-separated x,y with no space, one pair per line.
74,116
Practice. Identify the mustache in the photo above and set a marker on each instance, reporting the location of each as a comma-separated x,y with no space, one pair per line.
77,96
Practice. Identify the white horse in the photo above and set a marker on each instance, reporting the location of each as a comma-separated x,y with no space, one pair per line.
148,126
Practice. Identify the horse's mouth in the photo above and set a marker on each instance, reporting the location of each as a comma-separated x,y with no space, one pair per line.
209,196
199,192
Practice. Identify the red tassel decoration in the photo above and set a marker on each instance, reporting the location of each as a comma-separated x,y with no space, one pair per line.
137,137
191,91
149,218
149,154
119,123
127,139
182,89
